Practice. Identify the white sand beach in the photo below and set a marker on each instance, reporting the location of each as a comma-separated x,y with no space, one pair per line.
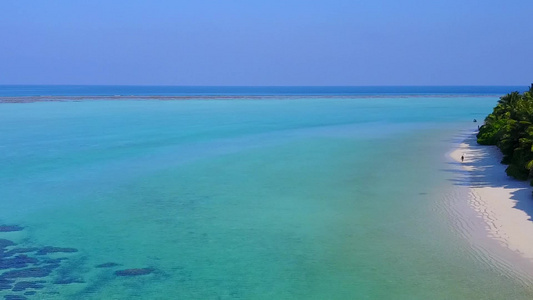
505,204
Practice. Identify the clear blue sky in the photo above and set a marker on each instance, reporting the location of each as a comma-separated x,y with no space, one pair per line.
275,42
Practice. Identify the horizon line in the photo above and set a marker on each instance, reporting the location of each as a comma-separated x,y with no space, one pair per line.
373,85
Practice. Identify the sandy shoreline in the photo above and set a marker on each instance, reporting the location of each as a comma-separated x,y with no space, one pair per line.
504,204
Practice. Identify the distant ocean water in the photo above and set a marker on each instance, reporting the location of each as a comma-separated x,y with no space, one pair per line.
83,90
315,198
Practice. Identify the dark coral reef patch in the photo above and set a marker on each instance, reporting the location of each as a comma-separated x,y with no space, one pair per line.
9,228
23,285
18,250
17,262
134,272
68,280
29,270
19,265
6,284
14,297
108,265
5,243
50,249
33,272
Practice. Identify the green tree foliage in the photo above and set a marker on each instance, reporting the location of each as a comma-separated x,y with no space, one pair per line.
509,127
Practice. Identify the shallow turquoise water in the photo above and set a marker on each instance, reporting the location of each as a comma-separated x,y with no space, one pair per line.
334,198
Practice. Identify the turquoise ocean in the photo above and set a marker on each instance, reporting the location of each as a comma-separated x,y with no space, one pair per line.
277,196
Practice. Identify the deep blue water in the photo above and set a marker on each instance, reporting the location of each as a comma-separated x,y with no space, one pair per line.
110,90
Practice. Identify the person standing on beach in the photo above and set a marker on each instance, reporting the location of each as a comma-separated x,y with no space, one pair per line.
462,158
